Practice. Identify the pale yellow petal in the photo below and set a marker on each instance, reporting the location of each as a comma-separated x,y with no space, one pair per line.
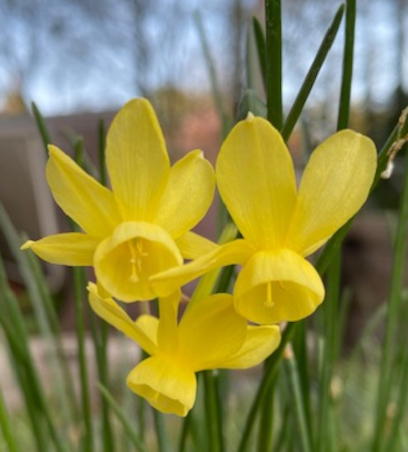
236,252
111,312
193,245
188,195
71,248
210,332
125,261
335,185
148,324
167,333
137,160
165,384
260,342
257,183
81,197
276,287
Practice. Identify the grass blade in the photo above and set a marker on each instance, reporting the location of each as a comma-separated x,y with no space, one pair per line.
311,76
345,94
127,426
273,46
260,47
42,128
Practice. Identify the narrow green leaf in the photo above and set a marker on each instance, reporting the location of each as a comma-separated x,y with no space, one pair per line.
348,58
312,74
260,47
5,423
48,331
305,437
273,44
42,128
213,411
161,432
27,374
329,340
271,366
79,281
265,435
127,426
387,357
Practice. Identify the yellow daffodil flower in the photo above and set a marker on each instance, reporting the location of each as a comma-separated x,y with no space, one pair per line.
210,335
280,224
141,226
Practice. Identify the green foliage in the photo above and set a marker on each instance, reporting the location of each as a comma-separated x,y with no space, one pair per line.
310,395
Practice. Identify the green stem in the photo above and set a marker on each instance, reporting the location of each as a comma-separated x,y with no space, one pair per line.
345,94
45,135
161,433
397,421
79,284
128,427
184,433
265,437
268,377
260,47
213,414
299,406
5,425
311,76
330,316
273,44
385,380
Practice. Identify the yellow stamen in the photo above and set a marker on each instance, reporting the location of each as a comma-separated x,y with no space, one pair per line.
135,263
137,254
269,303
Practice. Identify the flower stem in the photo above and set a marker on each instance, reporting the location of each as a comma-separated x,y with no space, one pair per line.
79,284
273,43
213,412
386,367
345,94
297,394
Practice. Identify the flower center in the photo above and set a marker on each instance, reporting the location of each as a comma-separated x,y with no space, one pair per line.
137,254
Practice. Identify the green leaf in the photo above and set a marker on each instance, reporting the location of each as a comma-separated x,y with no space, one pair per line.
312,74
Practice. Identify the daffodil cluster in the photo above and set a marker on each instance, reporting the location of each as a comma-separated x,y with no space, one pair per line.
137,235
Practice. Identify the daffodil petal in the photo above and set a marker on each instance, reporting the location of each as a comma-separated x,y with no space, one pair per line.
188,195
335,185
260,342
257,182
71,248
210,332
236,252
125,261
112,313
193,245
275,287
166,385
137,160
148,324
81,197
167,334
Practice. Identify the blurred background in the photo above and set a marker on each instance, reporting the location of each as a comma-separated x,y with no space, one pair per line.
80,60
76,56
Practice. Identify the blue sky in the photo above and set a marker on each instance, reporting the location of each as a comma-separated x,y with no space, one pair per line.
95,68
